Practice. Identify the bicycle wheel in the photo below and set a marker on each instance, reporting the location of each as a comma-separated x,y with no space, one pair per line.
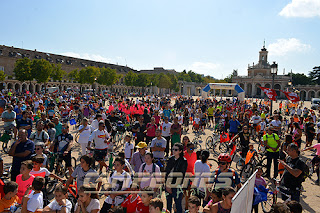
209,143
51,185
310,166
246,172
240,164
266,205
223,147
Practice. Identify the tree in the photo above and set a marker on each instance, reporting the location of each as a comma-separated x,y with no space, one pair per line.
299,78
88,75
174,82
74,75
164,81
57,73
2,76
108,76
130,79
22,70
143,80
314,75
41,70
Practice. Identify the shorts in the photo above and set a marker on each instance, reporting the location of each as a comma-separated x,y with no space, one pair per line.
210,118
100,154
66,159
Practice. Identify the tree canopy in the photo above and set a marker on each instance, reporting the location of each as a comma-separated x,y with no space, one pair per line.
57,73
22,70
108,76
2,76
41,70
314,75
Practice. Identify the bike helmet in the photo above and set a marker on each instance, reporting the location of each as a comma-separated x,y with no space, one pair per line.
224,157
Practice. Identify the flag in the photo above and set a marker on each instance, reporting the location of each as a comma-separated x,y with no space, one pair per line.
73,122
292,96
271,93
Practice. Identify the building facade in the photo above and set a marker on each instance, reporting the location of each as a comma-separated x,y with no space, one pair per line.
259,75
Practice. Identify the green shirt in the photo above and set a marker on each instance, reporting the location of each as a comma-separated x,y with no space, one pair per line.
271,141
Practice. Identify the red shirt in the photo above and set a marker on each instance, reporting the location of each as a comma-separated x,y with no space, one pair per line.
141,208
131,206
191,159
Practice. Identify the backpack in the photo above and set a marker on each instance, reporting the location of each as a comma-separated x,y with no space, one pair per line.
153,167
233,176
305,171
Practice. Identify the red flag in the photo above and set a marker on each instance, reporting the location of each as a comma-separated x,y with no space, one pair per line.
292,96
271,93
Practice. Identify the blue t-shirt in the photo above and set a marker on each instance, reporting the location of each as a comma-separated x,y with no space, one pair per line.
167,113
22,147
234,124
22,122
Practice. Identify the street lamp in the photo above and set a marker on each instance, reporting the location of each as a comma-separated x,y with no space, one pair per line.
182,89
274,70
151,87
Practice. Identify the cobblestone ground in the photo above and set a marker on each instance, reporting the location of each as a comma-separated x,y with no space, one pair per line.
310,199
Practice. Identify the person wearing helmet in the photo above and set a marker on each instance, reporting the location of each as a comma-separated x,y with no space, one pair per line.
223,173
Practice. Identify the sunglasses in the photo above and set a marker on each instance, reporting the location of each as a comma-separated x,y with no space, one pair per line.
175,150
222,163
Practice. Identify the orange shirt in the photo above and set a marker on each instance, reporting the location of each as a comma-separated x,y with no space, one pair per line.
6,204
191,159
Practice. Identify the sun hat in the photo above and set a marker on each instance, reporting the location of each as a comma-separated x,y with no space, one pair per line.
141,145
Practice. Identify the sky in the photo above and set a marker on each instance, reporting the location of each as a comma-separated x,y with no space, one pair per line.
210,37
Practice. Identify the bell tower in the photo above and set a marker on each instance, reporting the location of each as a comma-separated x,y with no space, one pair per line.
263,54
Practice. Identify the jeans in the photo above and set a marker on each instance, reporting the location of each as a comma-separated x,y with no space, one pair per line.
295,194
177,196
275,157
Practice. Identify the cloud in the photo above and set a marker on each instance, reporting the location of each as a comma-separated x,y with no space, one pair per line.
205,68
301,8
285,46
93,57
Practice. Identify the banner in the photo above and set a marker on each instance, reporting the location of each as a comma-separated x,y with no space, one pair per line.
244,197
271,93
292,96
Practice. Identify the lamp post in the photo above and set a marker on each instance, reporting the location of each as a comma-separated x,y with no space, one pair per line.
274,70
182,89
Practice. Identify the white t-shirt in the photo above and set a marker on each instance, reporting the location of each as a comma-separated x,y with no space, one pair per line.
119,182
127,150
55,206
94,204
166,129
43,172
299,111
95,124
256,119
275,123
199,169
99,137
148,178
35,202
85,134
197,120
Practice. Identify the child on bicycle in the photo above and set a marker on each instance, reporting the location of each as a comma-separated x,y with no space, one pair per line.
41,171
60,201
119,181
39,149
84,173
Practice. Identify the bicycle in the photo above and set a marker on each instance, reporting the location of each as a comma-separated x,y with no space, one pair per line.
272,196
255,161
211,143
197,141
5,138
55,164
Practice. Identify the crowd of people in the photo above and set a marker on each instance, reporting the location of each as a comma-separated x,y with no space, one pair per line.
154,163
